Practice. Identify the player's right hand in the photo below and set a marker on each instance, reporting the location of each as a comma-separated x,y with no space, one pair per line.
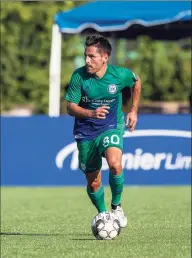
101,112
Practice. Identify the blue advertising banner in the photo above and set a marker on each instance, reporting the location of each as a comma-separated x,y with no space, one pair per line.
41,151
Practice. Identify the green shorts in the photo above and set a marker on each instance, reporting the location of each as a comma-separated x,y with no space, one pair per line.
91,152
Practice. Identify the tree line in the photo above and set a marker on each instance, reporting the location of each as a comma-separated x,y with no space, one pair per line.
26,27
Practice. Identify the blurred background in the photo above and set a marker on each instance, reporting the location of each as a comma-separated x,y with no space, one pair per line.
26,35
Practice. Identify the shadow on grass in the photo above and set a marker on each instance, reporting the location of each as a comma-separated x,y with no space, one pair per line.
27,234
50,234
83,239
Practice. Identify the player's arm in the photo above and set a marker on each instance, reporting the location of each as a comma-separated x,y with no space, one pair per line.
75,110
133,82
73,97
131,119
136,93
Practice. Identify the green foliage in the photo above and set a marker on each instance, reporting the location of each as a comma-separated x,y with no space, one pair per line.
164,68
25,55
25,52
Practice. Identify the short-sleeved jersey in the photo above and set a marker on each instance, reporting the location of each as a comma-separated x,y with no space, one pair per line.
90,92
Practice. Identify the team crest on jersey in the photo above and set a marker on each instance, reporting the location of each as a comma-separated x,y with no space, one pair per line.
112,88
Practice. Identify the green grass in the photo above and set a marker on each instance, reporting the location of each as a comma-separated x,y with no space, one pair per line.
55,222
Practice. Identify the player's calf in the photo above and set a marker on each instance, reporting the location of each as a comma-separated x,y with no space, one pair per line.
95,191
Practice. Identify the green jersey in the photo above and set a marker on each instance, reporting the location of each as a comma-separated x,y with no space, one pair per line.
90,92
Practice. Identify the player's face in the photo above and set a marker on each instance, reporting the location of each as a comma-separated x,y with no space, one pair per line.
94,59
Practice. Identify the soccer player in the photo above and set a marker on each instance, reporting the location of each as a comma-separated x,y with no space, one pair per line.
94,98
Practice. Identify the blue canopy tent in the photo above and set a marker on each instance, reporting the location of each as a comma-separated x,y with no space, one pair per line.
170,20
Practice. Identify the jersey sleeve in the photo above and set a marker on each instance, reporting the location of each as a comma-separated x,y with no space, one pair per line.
129,78
74,91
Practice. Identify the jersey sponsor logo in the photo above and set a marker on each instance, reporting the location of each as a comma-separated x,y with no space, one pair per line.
97,102
112,88
139,159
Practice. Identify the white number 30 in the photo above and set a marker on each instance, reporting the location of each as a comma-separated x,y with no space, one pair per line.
114,139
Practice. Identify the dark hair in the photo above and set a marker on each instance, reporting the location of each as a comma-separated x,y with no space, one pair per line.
100,42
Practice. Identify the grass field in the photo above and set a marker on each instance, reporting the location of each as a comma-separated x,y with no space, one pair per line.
55,222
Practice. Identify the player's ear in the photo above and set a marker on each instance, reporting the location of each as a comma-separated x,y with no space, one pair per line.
105,57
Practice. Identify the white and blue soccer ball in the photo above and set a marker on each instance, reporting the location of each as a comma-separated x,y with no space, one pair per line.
105,226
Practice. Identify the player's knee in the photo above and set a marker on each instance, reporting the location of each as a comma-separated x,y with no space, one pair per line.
115,166
95,185
94,181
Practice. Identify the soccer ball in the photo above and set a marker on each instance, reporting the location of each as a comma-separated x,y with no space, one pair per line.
105,226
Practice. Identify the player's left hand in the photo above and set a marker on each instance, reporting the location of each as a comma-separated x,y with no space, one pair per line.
131,120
